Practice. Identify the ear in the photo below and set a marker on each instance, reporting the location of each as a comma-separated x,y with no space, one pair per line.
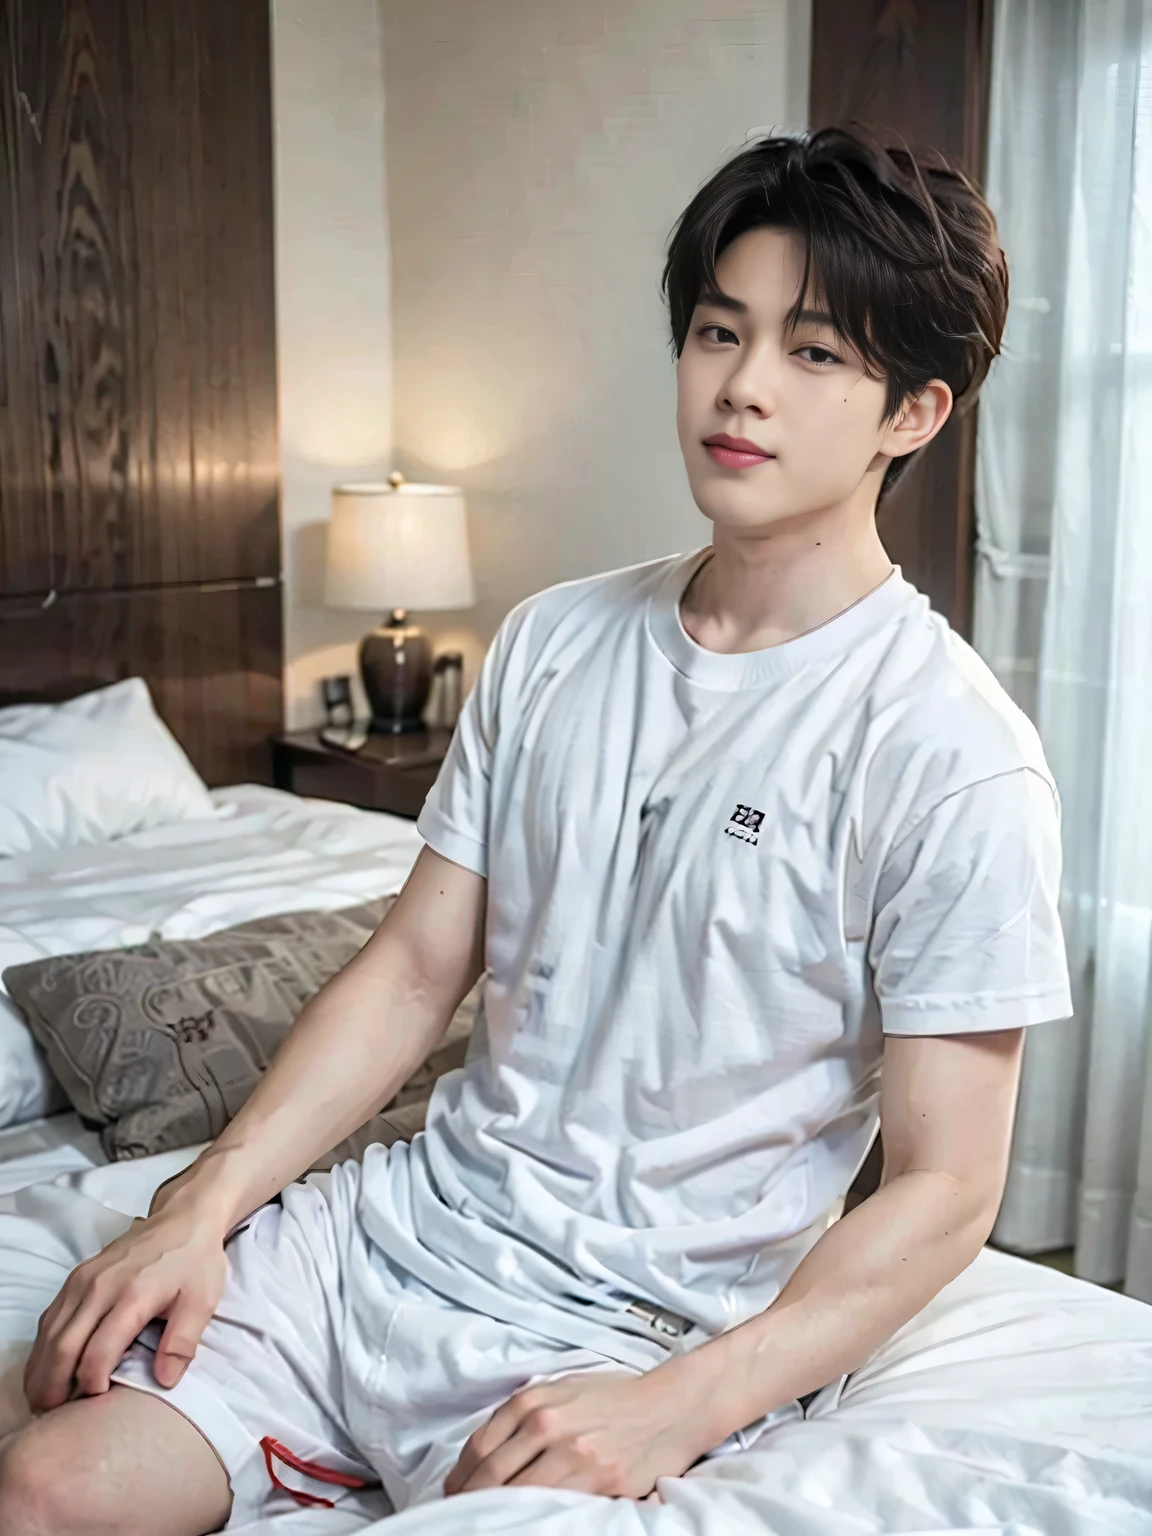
918,421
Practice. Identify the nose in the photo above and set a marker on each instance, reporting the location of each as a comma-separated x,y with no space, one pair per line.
752,385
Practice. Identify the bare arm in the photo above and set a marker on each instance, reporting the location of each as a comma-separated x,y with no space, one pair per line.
946,1109
353,1045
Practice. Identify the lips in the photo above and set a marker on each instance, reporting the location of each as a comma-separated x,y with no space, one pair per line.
736,452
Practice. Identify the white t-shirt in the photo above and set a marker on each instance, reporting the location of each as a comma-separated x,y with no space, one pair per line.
714,883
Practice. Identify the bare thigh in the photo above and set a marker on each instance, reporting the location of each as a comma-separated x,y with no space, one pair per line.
125,1463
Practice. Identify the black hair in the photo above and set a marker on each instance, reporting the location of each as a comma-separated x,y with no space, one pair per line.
900,249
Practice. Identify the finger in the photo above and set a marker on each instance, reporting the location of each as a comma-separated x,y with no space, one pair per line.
483,1441
51,1383
181,1337
70,1295
472,1453
504,1463
54,1318
104,1348
556,1468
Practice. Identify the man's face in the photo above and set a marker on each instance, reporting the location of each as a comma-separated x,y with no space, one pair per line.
800,395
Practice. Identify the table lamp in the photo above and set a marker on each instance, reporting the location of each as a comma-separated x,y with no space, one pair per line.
398,546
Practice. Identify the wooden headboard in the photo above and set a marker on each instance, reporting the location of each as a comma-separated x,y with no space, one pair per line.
139,463
210,656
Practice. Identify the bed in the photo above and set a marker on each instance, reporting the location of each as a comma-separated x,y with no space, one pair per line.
258,852
1018,1402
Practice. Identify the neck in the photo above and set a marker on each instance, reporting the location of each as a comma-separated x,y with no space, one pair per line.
763,587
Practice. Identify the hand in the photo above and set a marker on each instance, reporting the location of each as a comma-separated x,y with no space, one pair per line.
599,1432
171,1265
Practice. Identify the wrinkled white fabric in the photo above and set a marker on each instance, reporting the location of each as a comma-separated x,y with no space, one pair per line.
714,883
40,1151
333,1348
1017,1403
258,852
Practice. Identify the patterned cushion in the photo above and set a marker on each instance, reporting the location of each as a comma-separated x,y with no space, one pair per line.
160,1044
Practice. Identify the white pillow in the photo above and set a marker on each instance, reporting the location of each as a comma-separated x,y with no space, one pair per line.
97,767
28,1087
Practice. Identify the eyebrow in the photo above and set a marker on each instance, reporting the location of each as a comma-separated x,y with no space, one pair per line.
719,300
813,317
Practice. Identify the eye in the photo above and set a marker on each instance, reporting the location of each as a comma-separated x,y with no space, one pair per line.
704,329
823,357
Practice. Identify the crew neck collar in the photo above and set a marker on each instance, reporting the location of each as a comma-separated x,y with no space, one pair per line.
749,669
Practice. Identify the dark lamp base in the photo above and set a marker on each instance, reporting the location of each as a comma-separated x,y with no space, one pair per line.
390,727
396,665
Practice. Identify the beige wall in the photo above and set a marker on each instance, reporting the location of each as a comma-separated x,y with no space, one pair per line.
538,153
483,299
333,306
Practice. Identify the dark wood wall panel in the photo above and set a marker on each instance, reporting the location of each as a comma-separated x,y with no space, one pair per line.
139,473
210,658
917,69
137,372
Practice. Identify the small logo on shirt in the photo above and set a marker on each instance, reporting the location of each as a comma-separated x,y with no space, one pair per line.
745,823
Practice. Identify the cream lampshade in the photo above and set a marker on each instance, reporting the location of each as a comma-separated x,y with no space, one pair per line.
392,547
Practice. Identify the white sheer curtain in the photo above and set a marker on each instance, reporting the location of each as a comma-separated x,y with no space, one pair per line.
1064,591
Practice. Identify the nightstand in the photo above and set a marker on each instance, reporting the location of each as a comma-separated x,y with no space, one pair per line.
389,773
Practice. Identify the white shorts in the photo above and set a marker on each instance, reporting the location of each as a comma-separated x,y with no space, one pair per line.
332,1374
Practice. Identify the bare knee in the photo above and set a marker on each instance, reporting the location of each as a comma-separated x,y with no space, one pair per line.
37,1495
121,1464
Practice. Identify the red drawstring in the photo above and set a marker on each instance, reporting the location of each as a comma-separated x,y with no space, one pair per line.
272,1448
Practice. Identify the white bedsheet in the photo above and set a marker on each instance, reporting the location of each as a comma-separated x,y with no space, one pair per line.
1019,1402
39,1150
263,852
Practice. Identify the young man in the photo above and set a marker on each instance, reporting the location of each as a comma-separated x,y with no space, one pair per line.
752,849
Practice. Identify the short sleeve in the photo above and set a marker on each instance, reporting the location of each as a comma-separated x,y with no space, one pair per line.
966,935
454,818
